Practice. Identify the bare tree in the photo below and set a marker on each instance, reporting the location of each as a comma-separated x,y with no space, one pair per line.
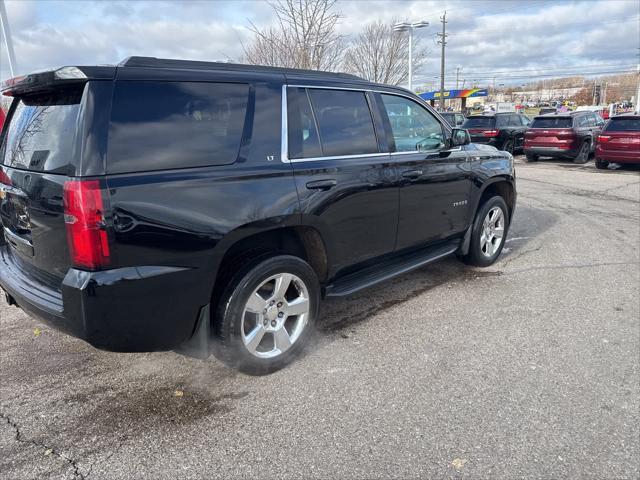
304,37
380,55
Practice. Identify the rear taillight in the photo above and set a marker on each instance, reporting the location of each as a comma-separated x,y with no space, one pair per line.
84,219
4,178
603,138
491,133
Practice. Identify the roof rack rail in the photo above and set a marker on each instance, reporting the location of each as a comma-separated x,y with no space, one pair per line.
153,62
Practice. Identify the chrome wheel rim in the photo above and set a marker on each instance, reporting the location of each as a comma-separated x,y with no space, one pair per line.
275,315
492,232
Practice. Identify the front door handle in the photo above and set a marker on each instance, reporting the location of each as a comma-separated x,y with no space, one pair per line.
322,184
412,174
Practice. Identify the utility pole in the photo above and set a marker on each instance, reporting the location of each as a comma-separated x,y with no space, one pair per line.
6,33
457,76
443,42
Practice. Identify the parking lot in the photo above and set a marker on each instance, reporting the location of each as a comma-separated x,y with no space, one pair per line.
529,368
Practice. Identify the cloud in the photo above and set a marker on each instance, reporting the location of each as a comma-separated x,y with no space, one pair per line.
518,38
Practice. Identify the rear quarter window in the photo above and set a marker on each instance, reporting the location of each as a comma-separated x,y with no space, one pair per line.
41,134
170,125
552,122
623,125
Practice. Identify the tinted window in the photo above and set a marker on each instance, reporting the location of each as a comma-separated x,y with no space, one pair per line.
502,121
479,122
413,127
162,125
524,120
303,135
450,118
582,121
41,134
552,122
459,119
344,121
623,125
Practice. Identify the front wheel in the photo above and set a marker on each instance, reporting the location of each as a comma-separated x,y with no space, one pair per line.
267,314
601,164
531,157
508,146
488,233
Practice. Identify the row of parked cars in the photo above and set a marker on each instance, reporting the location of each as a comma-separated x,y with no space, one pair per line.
576,135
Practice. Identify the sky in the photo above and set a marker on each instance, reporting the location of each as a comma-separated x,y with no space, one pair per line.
509,40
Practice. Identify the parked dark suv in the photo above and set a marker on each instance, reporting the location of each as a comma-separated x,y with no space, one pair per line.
505,131
205,207
570,135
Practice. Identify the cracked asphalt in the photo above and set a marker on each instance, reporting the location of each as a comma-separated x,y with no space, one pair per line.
529,368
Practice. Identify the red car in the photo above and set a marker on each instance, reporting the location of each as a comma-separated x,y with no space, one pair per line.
619,141
2,116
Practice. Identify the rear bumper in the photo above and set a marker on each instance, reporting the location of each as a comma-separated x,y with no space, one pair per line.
618,156
134,309
550,151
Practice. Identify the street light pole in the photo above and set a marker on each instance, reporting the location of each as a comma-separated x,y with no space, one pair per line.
410,27
6,33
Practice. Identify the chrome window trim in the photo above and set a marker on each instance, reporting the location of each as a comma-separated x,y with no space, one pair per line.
284,139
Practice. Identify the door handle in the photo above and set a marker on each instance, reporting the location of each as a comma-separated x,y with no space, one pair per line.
322,184
412,174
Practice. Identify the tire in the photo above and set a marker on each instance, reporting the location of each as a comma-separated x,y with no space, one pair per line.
601,164
583,154
508,146
531,157
237,320
478,254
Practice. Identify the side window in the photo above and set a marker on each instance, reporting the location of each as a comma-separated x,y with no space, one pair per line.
165,125
582,121
413,127
344,121
502,121
303,135
525,120
459,120
514,120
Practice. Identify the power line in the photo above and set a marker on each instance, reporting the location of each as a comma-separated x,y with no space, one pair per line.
551,69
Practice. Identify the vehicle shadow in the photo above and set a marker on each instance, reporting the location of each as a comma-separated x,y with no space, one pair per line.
340,315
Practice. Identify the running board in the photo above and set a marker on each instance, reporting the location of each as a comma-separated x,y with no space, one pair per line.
387,269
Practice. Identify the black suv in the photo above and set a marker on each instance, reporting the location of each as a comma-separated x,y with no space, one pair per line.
572,135
505,131
207,208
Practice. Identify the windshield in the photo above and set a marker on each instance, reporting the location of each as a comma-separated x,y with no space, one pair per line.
41,134
552,122
479,122
623,125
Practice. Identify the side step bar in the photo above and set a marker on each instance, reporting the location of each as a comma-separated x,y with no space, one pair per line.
387,269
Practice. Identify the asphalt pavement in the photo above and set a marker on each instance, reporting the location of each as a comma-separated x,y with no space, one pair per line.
529,368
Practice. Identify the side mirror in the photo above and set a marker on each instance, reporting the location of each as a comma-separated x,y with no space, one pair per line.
459,137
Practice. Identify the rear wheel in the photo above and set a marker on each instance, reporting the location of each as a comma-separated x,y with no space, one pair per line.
531,157
488,233
266,314
583,154
601,164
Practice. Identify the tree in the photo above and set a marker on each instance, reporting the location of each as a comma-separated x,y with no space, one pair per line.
304,37
380,54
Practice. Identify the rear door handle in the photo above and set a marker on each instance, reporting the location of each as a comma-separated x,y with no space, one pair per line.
322,184
412,174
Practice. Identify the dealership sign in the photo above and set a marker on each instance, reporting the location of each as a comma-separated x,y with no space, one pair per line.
470,92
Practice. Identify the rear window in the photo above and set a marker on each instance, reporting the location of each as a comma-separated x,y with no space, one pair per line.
479,122
168,125
552,122
623,125
42,131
